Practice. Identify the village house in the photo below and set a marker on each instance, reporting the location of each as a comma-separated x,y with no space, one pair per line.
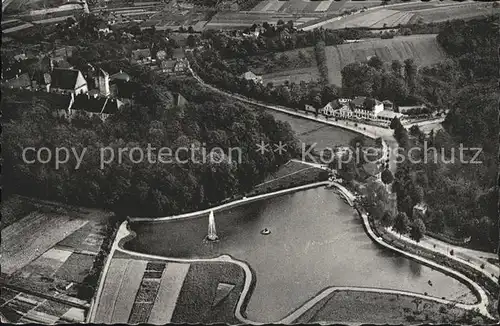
167,66
337,108
344,112
366,108
253,77
20,82
419,210
388,105
103,28
180,67
310,109
90,106
387,116
330,108
68,81
141,56
40,81
371,170
411,108
178,54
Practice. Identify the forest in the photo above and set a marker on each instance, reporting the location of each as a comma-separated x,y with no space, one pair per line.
143,188
461,195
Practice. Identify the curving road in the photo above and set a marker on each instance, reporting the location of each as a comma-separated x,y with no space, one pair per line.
466,256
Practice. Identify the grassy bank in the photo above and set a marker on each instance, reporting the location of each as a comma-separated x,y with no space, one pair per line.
378,308
491,287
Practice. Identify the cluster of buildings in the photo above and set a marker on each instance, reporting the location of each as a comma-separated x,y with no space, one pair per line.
176,65
92,92
359,108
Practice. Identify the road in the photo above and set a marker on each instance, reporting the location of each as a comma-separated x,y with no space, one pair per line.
466,256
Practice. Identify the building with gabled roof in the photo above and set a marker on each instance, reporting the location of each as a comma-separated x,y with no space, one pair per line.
22,82
251,76
90,106
68,81
121,75
366,107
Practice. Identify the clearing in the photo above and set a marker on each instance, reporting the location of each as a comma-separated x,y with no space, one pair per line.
292,76
423,49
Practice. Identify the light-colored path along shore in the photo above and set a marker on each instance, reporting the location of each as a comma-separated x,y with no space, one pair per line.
471,258
483,297
229,205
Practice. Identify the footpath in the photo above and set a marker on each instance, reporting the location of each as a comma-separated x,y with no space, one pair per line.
471,258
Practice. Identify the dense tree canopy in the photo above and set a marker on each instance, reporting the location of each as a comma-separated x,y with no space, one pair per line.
136,187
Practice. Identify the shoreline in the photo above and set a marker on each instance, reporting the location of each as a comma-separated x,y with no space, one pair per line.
228,205
125,233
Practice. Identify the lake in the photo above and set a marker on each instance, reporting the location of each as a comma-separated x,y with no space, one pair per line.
316,241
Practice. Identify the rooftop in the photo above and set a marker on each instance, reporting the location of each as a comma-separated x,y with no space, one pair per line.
67,78
96,105
19,82
389,114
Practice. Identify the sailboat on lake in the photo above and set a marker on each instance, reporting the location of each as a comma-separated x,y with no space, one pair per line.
212,234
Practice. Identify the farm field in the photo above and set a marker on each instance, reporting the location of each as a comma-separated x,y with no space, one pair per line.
374,19
48,250
158,292
401,14
465,11
231,20
17,6
33,235
276,62
292,76
307,6
423,49
20,307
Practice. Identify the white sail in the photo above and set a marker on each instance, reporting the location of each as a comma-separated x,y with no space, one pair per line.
212,235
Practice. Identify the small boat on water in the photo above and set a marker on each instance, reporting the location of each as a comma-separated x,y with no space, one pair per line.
429,282
265,231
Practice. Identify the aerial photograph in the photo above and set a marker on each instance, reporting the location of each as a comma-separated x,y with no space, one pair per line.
250,162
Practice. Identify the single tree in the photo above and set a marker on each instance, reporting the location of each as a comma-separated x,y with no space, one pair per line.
387,219
387,177
401,223
417,230
395,123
